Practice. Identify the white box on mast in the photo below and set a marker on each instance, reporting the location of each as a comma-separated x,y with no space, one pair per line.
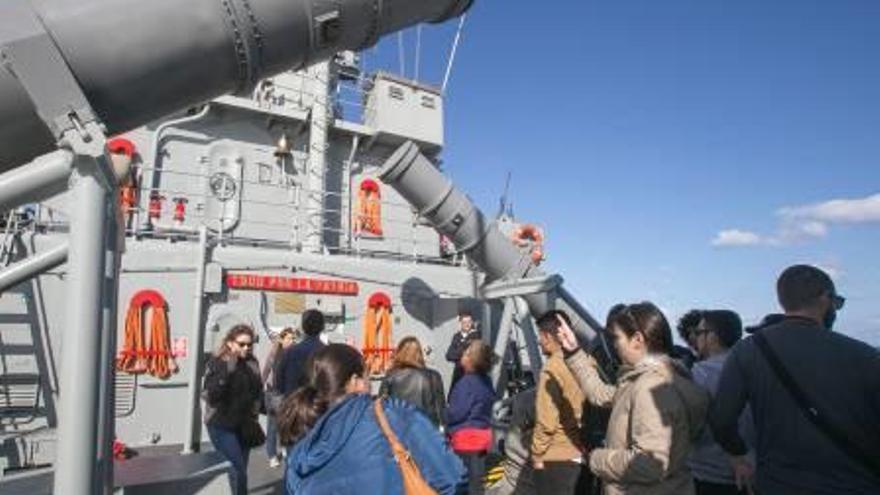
400,109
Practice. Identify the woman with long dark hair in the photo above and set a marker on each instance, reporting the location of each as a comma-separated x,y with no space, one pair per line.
657,412
337,445
410,380
233,392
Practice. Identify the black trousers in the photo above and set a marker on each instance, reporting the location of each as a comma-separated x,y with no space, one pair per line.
707,488
562,478
476,469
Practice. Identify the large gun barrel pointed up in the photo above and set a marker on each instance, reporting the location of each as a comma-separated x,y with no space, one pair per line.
455,216
137,60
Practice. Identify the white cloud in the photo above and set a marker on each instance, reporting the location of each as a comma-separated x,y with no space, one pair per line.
837,211
807,222
736,237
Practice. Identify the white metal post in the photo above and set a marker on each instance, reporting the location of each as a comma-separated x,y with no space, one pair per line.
192,439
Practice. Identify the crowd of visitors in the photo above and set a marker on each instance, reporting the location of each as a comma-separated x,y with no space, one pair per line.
794,408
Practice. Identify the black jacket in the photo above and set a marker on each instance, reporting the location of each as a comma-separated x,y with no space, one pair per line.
456,349
421,387
840,375
233,391
291,368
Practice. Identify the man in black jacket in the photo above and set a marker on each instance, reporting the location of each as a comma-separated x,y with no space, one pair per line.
460,341
840,377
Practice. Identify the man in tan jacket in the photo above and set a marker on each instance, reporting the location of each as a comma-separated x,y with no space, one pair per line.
557,450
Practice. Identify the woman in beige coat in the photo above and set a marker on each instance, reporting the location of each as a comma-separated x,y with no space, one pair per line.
656,410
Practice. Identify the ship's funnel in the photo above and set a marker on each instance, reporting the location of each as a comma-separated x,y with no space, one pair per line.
138,60
454,215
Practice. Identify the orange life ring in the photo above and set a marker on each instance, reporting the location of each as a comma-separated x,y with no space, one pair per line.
530,236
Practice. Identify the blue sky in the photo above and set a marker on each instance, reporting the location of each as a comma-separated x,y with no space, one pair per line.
680,151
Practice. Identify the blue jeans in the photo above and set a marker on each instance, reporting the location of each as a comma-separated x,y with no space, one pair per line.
229,444
271,436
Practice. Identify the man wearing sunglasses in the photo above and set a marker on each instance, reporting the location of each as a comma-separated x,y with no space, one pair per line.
814,394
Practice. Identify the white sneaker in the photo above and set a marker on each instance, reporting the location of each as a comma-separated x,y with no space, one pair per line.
274,462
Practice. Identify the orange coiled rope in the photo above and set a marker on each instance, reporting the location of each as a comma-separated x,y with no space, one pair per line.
369,208
135,357
377,326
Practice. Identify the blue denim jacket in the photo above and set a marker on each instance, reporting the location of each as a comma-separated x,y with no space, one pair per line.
346,452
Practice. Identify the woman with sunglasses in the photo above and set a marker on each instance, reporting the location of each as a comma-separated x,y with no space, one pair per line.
233,392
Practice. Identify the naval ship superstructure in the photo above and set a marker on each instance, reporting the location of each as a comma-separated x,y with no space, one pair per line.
311,188
246,210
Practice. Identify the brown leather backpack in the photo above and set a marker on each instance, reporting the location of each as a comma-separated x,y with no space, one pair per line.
413,483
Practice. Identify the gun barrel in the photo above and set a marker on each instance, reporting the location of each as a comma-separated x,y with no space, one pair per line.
454,215
140,60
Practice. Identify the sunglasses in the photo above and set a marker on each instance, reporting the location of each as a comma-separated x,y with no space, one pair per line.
243,344
837,301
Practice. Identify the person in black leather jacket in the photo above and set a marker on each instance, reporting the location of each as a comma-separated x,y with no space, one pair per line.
233,392
411,381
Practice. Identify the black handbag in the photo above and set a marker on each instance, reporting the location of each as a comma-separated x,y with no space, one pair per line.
252,434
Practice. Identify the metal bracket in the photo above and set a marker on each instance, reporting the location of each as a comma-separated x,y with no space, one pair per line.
30,54
523,287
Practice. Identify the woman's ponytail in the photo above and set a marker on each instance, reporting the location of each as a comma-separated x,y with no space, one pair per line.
332,367
299,412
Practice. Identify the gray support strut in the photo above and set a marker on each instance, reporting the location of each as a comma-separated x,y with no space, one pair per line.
530,336
107,389
44,177
192,438
32,266
78,409
502,340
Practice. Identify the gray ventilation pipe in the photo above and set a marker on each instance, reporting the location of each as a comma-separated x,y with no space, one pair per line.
454,215
138,60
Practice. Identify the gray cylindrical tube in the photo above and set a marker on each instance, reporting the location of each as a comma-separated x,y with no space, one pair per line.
78,409
454,215
44,177
137,61
30,267
192,438
107,371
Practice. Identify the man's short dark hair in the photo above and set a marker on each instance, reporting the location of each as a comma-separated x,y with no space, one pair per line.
465,312
688,322
547,322
800,287
312,322
724,323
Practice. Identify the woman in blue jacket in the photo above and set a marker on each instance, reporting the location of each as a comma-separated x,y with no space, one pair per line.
469,415
337,445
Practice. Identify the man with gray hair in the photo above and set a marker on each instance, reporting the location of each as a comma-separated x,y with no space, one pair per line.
815,396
